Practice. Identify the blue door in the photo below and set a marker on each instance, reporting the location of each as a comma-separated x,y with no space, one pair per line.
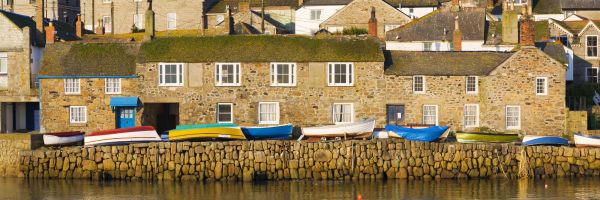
125,117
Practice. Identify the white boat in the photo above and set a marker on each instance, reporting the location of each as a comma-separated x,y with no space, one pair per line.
362,129
63,138
122,136
586,141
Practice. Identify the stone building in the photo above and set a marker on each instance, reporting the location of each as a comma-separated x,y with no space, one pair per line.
279,15
59,10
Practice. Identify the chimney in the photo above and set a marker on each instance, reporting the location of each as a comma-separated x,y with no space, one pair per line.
79,27
455,6
39,22
527,34
300,3
149,26
50,33
100,28
510,26
373,23
456,36
228,20
244,6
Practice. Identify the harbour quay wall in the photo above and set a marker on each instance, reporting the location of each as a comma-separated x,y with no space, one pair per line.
11,147
279,160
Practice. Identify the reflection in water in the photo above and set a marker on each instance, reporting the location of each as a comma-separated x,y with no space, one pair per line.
574,188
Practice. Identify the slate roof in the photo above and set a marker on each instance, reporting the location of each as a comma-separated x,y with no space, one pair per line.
89,59
64,30
394,3
219,6
575,26
431,26
410,63
547,7
580,4
554,50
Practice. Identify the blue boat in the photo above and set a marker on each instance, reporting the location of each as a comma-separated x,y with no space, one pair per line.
281,132
418,134
197,126
530,140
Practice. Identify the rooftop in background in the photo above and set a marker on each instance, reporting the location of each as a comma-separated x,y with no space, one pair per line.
395,3
410,63
574,27
554,50
547,7
219,6
64,31
580,4
431,27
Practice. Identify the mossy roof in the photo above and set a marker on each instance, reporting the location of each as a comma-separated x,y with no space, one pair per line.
547,7
410,63
259,49
89,59
554,50
573,26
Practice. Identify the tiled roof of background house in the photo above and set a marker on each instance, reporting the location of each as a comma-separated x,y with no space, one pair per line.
219,6
89,59
547,7
580,4
431,26
64,31
574,26
395,3
409,63
554,50
259,49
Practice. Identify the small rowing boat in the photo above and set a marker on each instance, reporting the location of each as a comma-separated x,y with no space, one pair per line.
207,132
486,137
531,140
280,132
362,129
430,134
582,140
63,138
122,136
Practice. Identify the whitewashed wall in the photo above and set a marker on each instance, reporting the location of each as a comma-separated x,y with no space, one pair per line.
472,45
306,26
558,17
417,11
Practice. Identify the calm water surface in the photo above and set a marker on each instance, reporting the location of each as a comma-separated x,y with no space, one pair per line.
572,188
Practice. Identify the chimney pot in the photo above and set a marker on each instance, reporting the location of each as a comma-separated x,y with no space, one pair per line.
79,27
50,33
456,36
39,21
373,23
100,28
527,34
149,23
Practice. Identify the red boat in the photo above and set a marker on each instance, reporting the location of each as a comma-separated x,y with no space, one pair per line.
122,136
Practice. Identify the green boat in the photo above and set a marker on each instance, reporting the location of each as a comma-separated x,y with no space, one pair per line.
486,137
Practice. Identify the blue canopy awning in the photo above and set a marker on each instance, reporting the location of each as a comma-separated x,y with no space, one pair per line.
123,101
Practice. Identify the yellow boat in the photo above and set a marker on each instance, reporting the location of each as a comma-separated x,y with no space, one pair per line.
233,133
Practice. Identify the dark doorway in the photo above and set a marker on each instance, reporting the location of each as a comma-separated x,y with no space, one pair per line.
395,114
162,116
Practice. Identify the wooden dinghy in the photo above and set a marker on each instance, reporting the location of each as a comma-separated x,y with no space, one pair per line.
531,140
63,138
582,140
280,132
486,137
429,134
207,132
356,130
122,136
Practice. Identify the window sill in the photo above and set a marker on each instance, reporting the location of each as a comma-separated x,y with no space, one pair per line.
513,128
228,85
283,85
340,85
231,122
73,94
78,124
112,93
472,93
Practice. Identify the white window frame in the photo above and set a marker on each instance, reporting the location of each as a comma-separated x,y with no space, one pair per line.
180,72
171,18
112,89
333,113
82,119
428,46
349,74
3,64
424,85
476,85
107,24
106,1
274,73
545,86
586,46
277,113
237,74
520,2
518,126
76,86
597,74
218,112
138,20
437,114
476,116
313,14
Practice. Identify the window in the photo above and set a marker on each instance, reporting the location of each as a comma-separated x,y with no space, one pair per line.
343,113
171,21
427,46
72,86
519,2
541,85
268,113
472,84
430,116
592,46
107,24
3,64
471,115
138,21
225,113
513,117
591,74
106,1
340,74
227,74
170,74
315,14
112,86
283,74
419,84
77,114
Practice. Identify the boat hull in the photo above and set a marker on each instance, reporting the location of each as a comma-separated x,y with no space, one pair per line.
197,126
63,138
363,129
531,140
282,132
418,134
233,133
586,141
486,137
122,136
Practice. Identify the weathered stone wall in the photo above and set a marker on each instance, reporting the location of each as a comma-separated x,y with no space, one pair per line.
55,104
11,147
15,86
276,160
